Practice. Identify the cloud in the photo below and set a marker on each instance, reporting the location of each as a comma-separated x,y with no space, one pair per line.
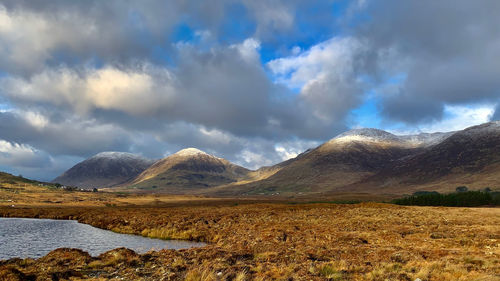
14,154
225,88
133,91
64,136
328,77
496,113
249,50
23,159
292,149
272,16
443,47
458,117
33,35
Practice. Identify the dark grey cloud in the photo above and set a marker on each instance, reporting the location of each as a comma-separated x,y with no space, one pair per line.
496,114
71,136
226,88
76,32
35,164
446,49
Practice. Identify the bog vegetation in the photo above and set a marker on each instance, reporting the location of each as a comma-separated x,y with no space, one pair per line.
250,241
367,241
461,198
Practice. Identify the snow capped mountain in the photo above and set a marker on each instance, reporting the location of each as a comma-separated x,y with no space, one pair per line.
369,160
469,157
188,169
104,169
376,135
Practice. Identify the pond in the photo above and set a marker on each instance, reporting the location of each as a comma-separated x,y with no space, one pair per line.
35,238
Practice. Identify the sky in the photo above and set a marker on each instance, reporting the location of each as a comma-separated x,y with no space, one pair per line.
252,81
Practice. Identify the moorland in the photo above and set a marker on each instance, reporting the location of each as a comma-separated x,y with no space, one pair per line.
270,240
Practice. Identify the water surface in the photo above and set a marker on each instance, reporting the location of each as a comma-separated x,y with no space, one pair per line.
37,237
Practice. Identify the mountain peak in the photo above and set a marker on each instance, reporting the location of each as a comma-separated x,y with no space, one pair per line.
493,125
187,170
115,155
191,151
105,169
366,134
487,129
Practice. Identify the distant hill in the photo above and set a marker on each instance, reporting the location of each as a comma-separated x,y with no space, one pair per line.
105,169
6,178
187,171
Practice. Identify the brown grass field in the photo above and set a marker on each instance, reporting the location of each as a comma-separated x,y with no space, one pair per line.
248,240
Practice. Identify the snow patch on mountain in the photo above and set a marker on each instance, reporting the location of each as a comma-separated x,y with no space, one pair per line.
368,134
482,130
115,155
376,135
191,151
426,139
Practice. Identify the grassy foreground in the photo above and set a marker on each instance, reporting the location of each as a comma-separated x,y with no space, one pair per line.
365,241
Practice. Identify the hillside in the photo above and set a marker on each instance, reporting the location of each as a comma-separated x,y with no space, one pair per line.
357,161
187,171
344,160
469,157
6,178
104,170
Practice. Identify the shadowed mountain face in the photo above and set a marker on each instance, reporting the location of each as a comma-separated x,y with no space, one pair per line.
375,161
471,156
188,170
105,169
341,161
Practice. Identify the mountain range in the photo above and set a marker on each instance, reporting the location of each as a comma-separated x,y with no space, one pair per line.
357,161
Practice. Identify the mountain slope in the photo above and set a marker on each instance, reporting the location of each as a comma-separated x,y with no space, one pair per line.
468,157
6,178
188,170
104,170
346,159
